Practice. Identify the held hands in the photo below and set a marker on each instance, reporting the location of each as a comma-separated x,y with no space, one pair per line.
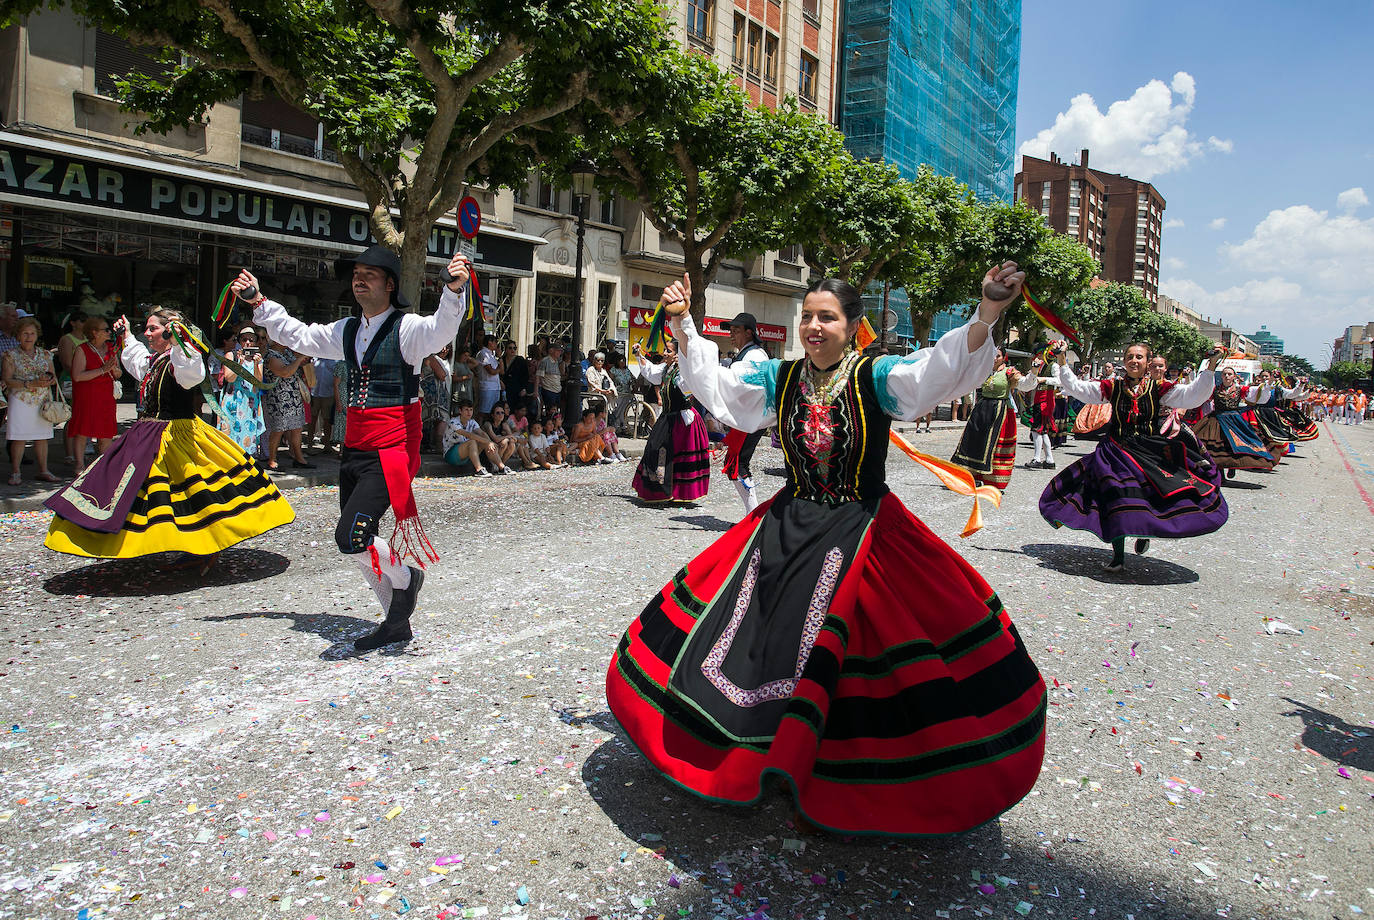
1001,286
677,297
120,327
457,272
1214,356
245,288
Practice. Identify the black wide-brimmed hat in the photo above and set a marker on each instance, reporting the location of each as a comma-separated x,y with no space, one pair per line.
377,257
743,321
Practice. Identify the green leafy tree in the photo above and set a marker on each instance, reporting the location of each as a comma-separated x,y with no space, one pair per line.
1347,373
1106,316
419,98
1297,366
1178,342
714,175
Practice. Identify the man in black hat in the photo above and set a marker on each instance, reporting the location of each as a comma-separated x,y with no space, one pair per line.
744,336
381,353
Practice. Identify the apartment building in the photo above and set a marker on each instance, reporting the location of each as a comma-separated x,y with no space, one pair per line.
1119,219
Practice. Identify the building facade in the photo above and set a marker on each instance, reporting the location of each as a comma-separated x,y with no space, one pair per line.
927,82
1179,311
1269,344
1355,344
93,216
1119,219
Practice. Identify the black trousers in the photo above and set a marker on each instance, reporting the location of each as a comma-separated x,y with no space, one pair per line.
363,499
746,454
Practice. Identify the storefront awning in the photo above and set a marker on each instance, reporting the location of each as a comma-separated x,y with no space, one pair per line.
83,180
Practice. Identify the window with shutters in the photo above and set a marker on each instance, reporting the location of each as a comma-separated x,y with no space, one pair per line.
271,121
116,58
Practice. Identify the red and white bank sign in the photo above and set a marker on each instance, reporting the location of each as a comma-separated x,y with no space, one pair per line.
714,326
767,331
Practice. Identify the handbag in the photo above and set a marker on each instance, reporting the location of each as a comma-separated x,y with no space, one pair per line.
55,411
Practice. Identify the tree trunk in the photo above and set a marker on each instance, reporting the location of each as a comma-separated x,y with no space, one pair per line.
920,326
414,248
696,274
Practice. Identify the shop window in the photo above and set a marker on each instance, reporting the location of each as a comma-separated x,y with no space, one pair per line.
553,306
605,304
116,58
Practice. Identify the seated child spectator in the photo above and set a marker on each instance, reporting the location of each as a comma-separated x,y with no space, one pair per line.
588,444
544,451
464,443
608,435
515,429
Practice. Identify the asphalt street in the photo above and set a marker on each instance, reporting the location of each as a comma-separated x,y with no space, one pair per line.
175,746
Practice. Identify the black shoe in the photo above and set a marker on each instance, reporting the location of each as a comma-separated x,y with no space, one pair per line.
1034,465
1142,546
396,627
302,464
1047,466
1231,473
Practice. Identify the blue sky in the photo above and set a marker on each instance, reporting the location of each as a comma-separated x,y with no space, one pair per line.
1253,121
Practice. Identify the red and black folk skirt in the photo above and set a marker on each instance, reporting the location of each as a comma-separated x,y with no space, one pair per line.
847,650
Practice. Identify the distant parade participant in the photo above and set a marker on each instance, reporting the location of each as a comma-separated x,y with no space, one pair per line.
1292,408
676,466
739,445
1045,424
381,354
987,447
1266,406
1226,434
1137,483
830,642
171,482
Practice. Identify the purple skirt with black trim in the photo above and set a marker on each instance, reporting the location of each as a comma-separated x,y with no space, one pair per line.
1146,486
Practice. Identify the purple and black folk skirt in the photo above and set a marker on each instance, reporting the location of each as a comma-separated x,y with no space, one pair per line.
1145,486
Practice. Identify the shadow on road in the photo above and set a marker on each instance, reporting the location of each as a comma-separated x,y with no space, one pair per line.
745,854
1334,738
334,628
704,522
149,576
1243,484
1087,562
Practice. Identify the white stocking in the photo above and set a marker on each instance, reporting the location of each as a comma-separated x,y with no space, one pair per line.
747,493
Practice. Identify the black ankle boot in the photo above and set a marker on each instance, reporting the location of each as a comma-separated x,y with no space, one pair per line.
1142,546
396,626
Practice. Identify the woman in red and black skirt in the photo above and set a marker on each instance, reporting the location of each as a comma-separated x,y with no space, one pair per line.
95,368
830,639
987,448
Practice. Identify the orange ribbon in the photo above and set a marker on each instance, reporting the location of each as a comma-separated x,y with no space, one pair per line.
955,478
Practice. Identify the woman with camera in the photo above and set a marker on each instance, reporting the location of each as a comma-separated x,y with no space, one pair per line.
241,399
95,368
28,377
171,482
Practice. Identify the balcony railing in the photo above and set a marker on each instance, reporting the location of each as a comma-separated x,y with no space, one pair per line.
287,143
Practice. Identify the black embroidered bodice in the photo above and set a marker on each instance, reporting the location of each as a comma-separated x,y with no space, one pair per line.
835,453
1226,400
163,397
1136,416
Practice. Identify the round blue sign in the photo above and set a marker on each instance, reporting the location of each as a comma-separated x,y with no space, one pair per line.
469,217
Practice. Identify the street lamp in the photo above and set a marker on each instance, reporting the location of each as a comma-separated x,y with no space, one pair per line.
583,181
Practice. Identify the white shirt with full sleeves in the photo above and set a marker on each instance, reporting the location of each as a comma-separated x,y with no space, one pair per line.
1180,395
1027,383
744,396
420,336
189,370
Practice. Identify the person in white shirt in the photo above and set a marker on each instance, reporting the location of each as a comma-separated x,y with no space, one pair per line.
381,353
488,377
739,445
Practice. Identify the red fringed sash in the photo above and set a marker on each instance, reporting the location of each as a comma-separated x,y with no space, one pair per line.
394,433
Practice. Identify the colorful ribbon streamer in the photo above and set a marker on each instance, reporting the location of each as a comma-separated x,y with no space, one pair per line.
1049,317
955,478
224,306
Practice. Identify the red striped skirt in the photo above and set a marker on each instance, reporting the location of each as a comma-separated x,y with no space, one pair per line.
864,661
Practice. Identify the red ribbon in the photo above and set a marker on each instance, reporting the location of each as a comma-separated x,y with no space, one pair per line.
394,433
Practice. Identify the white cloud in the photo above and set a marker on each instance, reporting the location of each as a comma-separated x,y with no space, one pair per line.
1352,198
1173,223
1303,279
1310,244
1217,224
1142,137
1174,263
